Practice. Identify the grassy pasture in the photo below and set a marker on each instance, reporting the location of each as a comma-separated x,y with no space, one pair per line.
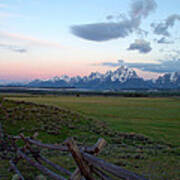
156,154
158,118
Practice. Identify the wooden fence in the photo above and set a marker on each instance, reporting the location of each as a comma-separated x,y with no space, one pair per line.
89,166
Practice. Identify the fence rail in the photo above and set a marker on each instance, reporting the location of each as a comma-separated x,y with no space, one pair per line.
89,166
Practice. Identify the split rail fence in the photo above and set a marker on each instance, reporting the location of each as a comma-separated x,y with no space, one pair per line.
89,166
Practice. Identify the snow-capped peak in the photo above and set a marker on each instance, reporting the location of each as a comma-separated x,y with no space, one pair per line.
75,79
95,75
54,79
123,74
57,78
65,78
174,76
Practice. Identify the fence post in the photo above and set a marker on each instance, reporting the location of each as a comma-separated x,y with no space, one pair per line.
83,166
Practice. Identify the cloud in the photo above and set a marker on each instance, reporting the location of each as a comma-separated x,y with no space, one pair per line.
103,31
29,40
13,48
142,8
163,40
163,66
141,45
112,64
113,30
163,27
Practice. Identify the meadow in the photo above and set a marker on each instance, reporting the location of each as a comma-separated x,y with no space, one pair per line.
158,118
143,134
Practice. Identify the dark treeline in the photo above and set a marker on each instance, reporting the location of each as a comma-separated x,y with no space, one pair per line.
123,93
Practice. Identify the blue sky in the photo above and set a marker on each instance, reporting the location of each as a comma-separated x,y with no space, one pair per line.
43,38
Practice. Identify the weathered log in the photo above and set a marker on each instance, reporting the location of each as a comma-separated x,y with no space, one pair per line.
111,168
48,146
40,144
34,153
43,169
13,166
97,148
57,167
76,175
81,154
83,167
101,174
94,149
40,158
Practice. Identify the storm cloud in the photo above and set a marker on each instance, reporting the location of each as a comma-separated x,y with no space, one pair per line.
163,27
163,66
141,45
13,48
113,30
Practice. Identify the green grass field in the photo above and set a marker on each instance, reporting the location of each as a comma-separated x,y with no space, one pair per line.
113,118
158,118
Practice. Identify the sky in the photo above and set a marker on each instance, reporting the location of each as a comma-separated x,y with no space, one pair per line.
46,38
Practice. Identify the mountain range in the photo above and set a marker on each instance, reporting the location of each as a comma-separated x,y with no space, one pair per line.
121,78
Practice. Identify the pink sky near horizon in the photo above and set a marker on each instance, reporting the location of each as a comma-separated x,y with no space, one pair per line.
21,71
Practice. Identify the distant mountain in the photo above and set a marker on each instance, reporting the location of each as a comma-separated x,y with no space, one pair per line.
169,81
121,78
7,83
3,82
47,83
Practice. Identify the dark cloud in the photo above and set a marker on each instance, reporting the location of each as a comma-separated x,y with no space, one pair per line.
112,30
141,45
163,40
103,31
165,66
163,27
13,48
